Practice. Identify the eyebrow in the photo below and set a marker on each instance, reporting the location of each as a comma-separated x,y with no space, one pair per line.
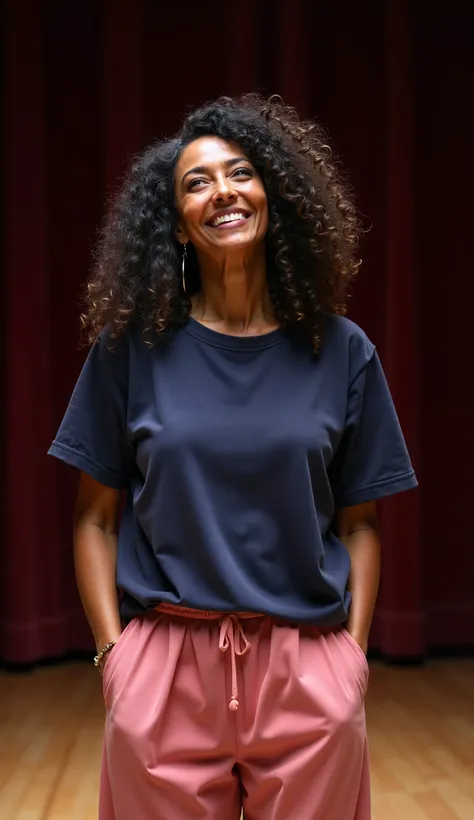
202,169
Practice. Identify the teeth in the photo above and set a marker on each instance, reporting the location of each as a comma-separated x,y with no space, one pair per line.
226,218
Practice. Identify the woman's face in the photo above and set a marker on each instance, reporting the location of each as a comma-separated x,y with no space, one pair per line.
220,198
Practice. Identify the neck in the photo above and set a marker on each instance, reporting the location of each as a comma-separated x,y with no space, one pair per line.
234,295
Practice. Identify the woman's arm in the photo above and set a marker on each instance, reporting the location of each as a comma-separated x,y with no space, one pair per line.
358,529
95,557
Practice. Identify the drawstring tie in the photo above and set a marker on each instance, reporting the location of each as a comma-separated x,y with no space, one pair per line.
231,628
232,635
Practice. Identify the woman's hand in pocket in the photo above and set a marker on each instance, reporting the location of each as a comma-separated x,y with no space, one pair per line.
105,658
362,640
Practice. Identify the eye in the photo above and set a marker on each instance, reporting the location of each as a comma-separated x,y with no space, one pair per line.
195,182
240,171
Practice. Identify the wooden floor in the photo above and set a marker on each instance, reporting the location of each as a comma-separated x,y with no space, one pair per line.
421,731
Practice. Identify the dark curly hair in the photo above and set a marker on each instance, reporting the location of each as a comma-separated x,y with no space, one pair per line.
311,242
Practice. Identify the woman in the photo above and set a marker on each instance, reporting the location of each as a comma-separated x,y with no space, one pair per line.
252,429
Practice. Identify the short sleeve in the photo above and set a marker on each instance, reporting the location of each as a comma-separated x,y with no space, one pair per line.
372,460
92,435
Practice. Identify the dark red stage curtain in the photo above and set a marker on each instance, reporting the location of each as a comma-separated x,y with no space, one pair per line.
89,83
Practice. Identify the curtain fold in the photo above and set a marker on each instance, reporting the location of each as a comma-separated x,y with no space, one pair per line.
88,85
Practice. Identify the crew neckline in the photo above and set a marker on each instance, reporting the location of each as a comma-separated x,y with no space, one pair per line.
226,340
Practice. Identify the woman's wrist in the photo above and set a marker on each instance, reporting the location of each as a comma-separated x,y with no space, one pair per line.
360,638
102,653
108,637
359,632
109,629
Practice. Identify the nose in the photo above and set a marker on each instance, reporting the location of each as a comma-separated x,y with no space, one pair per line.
224,191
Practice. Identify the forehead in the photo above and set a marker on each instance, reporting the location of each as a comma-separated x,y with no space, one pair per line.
207,151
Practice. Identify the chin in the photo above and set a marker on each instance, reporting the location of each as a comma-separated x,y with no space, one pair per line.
228,247
239,239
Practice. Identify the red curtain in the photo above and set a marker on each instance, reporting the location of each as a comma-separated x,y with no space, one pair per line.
88,84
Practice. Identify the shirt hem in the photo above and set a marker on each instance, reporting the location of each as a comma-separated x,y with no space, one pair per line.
381,489
83,462
332,616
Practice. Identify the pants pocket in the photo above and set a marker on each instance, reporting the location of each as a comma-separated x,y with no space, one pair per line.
115,653
359,655
356,648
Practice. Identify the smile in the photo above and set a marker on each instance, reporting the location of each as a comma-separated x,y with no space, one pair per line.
230,218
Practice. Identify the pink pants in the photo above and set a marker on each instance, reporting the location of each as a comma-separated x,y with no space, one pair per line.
273,723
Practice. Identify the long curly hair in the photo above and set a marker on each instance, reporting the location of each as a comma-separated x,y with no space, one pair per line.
311,243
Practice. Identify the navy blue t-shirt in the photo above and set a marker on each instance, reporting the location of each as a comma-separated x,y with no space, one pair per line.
235,453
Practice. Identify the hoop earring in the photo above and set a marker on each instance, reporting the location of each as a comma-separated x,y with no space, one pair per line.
183,267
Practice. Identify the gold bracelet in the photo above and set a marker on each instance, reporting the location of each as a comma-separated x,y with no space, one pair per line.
103,652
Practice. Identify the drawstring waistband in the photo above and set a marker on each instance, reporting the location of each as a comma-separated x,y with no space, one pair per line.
231,636
230,629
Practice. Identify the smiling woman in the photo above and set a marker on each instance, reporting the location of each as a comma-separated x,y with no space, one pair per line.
223,211
252,430
229,192
301,228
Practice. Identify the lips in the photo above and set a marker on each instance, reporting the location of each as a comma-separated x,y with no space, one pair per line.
227,216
